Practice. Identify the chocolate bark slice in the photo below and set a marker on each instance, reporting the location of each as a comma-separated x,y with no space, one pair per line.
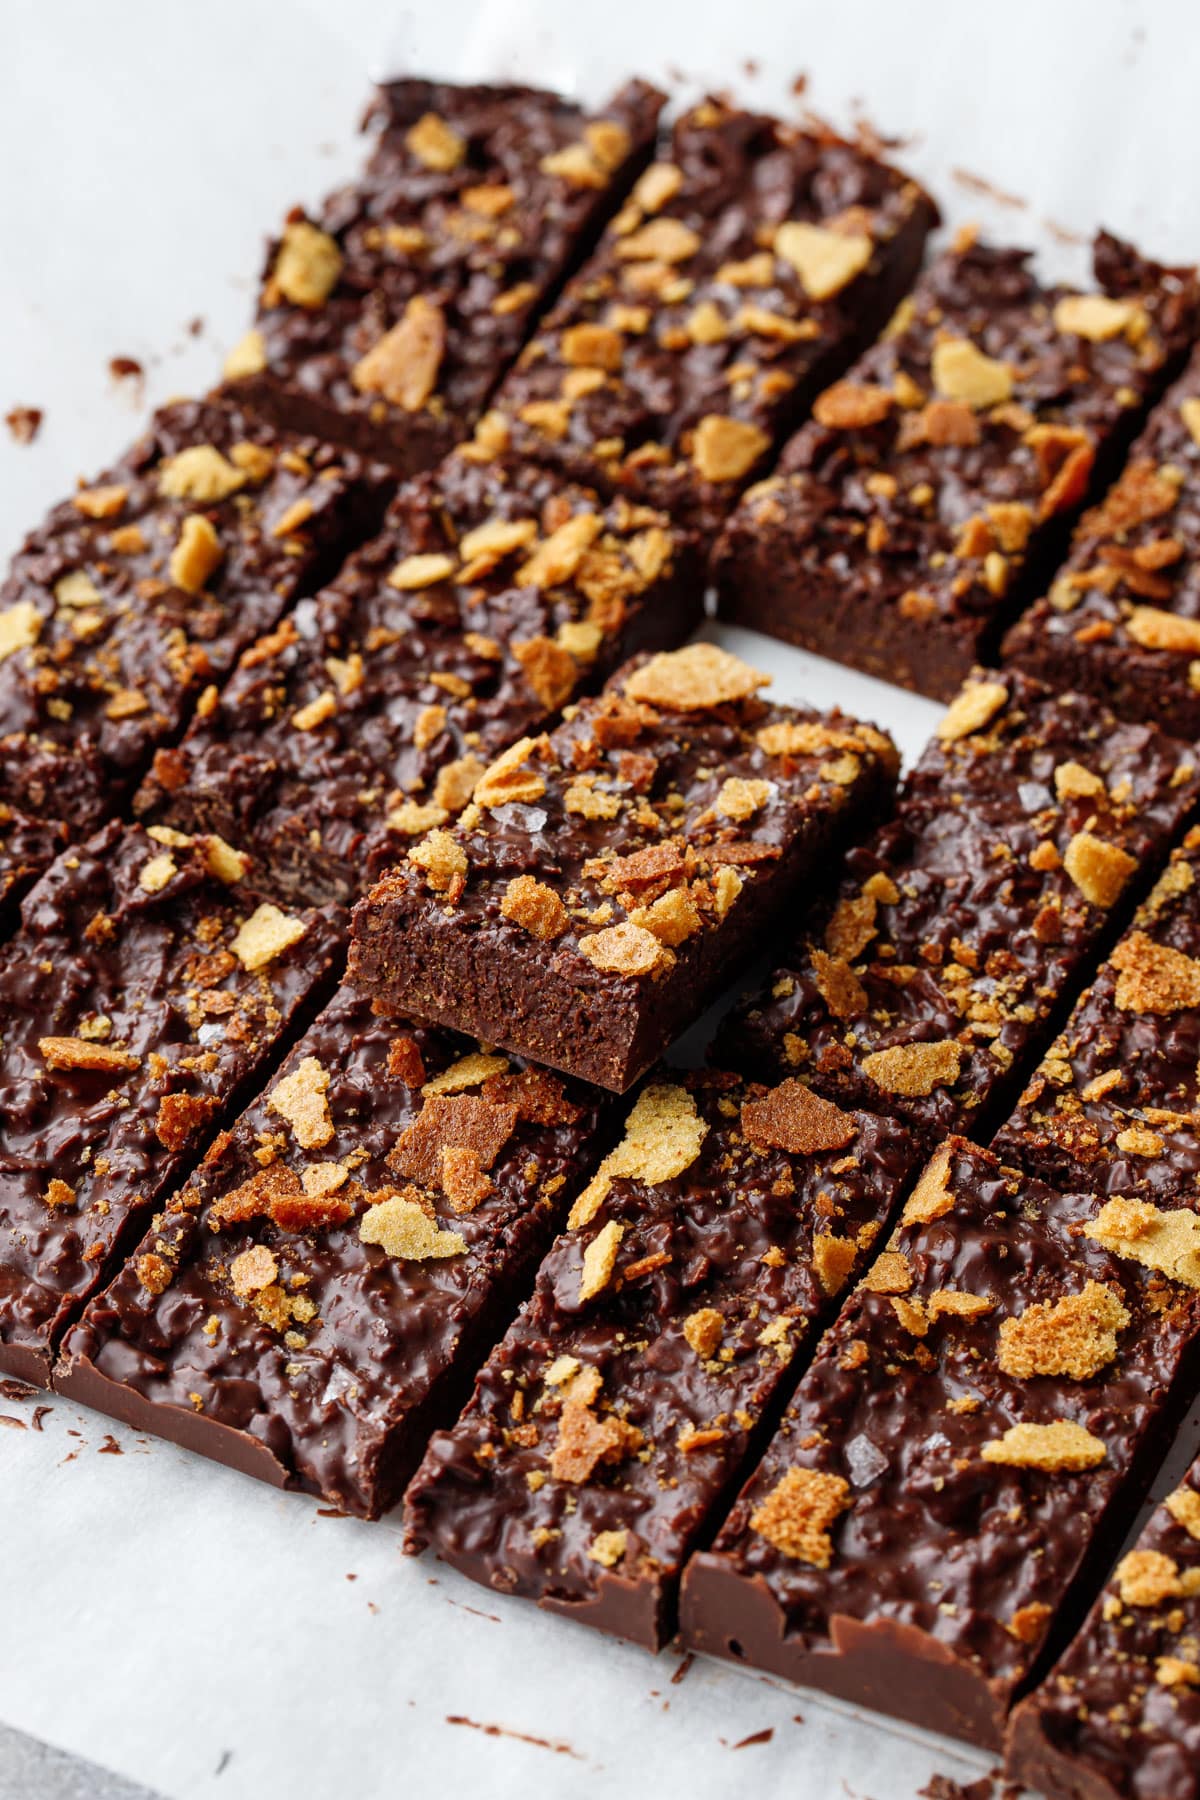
611,876
929,496
934,976
492,594
147,986
750,264
665,1327
386,319
136,596
318,1296
1122,620
1115,1104
1119,1717
966,1451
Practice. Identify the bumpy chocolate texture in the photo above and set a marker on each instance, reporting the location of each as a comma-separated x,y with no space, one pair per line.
317,1299
145,988
929,494
1119,1718
609,877
367,717
137,595
747,269
1115,1104
27,846
966,1451
926,986
1123,619
665,1327
387,319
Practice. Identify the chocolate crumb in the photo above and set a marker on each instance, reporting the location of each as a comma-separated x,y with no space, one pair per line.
24,423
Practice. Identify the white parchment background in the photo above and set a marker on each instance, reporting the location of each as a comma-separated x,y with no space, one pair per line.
192,1630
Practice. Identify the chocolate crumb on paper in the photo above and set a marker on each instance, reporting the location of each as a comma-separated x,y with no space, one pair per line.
24,423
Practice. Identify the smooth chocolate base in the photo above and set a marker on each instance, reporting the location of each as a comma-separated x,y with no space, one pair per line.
1033,1761
889,1667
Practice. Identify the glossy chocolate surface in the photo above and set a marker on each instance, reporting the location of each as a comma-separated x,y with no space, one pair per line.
474,205
973,1430
607,1428
749,266
493,592
135,596
129,1022
1115,1102
930,981
1119,1717
268,1319
1122,620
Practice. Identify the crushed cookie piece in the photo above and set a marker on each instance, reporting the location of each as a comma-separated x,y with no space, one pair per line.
266,934
599,1260
402,1229
1062,1447
403,365
1075,1336
797,1514
663,1137
1099,869
725,449
443,861
300,1099
695,678
704,1330
1156,1238
468,1072
914,1070
627,950
307,267
975,706
535,907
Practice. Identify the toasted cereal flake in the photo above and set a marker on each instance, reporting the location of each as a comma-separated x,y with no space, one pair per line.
914,1070
321,1178
1060,1447
1075,1336
1154,978
672,918
1176,1671
660,240
414,572
248,357
411,819
626,949
403,365
826,261
300,1099
1158,630
266,934
599,1260
436,144
725,449
833,1260
838,985
592,346
199,473
931,1198
83,1053
557,558
608,1547
308,265
975,706
197,554
740,799
223,861
1147,1578
549,669
656,185
791,1117
952,1303
663,1136
255,1269
468,1072
497,538
154,1273
101,502
1184,1507
797,1514
584,1441
1189,412
1098,869
316,712
456,1122
1150,1235
694,678
961,371
508,779
890,1273
401,1229
1073,778
443,860
535,907
75,589
1096,316
703,1330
